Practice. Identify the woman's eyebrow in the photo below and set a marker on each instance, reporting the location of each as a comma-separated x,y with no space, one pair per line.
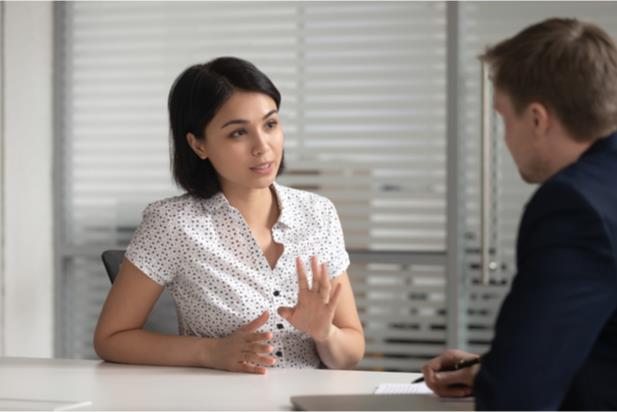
235,121
244,121
270,113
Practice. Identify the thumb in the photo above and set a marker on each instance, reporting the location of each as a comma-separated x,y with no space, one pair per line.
285,312
255,324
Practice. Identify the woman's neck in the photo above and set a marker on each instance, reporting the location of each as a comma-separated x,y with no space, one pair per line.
258,207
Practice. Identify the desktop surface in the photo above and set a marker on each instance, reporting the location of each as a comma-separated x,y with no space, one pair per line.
97,385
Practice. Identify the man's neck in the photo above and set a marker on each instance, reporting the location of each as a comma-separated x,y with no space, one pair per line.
564,150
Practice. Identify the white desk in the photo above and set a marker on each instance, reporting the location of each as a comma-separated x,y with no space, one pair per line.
107,386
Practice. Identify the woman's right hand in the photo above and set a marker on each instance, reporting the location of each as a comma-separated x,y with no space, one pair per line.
245,350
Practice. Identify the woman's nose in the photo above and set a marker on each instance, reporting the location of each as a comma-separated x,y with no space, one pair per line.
260,145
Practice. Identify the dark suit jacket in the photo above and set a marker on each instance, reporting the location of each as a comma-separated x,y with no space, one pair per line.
555,344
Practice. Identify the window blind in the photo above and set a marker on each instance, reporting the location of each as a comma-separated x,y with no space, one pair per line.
364,97
363,109
483,24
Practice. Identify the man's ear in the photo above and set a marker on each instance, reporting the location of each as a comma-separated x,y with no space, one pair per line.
540,118
197,145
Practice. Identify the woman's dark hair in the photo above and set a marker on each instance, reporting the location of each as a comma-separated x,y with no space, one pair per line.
194,99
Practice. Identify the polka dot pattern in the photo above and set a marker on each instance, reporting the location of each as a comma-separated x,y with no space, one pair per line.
205,253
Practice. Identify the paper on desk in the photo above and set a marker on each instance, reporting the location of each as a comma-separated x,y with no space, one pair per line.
414,388
400,388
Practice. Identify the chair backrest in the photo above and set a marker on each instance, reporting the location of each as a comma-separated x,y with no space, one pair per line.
163,317
111,260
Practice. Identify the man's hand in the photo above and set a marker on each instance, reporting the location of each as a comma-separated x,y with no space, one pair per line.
456,383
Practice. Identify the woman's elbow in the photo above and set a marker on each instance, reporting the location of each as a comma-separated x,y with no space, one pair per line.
360,352
100,345
101,342
357,354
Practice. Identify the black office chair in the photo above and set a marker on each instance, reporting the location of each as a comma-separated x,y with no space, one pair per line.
112,259
163,317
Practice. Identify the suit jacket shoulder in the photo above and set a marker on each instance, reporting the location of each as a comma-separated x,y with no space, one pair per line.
555,341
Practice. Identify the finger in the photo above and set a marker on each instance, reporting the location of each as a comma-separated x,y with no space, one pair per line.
336,296
453,356
460,377
258,337
446,359
302,282
429,377
429,370
259,348
285,312
326,284
316,274
255,359
257,323
453,391
250,368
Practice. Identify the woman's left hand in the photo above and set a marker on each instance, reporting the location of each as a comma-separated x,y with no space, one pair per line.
314,311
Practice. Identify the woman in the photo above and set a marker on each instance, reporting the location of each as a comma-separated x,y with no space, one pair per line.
238,252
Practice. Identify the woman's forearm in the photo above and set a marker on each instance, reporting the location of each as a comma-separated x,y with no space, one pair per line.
140,346
342,349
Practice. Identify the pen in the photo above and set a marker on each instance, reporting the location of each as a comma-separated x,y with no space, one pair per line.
465,363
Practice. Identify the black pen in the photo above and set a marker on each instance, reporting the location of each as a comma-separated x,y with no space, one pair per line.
465,363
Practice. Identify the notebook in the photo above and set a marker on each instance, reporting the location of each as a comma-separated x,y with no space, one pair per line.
387,397
377,402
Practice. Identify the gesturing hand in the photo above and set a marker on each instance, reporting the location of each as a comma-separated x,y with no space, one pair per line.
315,308
244,350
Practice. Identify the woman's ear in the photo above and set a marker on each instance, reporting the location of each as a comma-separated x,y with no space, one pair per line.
197,145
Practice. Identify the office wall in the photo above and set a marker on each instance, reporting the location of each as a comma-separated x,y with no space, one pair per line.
2,310
27,139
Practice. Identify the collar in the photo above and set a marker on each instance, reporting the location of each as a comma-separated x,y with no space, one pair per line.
219,203
604,143
284,201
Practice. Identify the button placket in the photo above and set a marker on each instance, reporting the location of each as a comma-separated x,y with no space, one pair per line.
278,300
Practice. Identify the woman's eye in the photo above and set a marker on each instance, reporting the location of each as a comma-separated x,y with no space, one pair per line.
271,124
238,133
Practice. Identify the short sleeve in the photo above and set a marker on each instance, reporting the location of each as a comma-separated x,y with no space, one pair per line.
334,251
152,247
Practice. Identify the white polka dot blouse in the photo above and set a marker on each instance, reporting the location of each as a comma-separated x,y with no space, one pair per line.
205,253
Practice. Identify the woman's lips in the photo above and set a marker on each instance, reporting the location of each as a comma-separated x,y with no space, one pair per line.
263,168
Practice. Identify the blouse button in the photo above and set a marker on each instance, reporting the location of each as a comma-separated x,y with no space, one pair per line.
279,354
276,293
279,325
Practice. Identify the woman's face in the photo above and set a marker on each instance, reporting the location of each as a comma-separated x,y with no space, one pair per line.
244,142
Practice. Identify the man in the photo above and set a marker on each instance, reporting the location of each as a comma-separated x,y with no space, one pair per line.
555,343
